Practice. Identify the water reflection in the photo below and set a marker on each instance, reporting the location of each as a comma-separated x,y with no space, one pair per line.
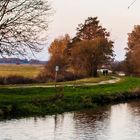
93,124
117,122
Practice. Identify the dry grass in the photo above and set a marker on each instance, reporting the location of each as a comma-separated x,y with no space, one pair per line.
26,70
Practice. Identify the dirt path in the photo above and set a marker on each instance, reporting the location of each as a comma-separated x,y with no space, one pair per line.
114,80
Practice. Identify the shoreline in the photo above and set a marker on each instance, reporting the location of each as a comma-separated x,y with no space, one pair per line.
39,101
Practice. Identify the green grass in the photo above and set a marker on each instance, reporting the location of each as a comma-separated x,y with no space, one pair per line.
76,82
41,101
29,71
86,80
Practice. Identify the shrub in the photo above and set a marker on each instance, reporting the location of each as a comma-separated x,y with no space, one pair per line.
13,79
50,77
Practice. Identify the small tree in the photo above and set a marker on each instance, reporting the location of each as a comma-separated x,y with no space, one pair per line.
57,58
23,24
57,51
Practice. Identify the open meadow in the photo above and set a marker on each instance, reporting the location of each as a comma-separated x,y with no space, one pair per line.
26,70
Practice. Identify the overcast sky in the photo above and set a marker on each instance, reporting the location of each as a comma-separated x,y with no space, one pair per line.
113,15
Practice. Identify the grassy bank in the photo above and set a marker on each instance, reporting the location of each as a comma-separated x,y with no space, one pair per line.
41,101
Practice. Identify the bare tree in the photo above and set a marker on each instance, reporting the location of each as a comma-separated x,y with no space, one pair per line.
23,25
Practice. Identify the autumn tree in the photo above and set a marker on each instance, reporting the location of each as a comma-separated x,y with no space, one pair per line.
58,57
88,55
91,47
91,29
133,51
23,25
57,50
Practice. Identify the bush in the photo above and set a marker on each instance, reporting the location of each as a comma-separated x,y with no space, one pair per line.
65,76
13,79
50,77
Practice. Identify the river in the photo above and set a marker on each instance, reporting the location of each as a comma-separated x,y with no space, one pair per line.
116,122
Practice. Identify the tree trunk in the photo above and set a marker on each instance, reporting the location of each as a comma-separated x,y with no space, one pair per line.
95,73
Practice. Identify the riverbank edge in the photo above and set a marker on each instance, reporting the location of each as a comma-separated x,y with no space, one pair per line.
59,103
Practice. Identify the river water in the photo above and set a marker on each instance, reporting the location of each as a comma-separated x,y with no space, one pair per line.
116,122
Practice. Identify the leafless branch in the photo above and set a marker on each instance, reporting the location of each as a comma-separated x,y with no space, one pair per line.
23,24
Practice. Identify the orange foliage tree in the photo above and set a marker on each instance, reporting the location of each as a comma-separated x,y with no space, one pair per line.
133,51
57,58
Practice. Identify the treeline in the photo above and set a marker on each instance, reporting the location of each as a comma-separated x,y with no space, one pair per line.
20,61
89,50
131,64
82,55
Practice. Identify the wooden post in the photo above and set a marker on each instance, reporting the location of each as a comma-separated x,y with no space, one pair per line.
55,78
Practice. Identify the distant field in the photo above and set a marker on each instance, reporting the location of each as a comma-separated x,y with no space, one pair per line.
20,70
